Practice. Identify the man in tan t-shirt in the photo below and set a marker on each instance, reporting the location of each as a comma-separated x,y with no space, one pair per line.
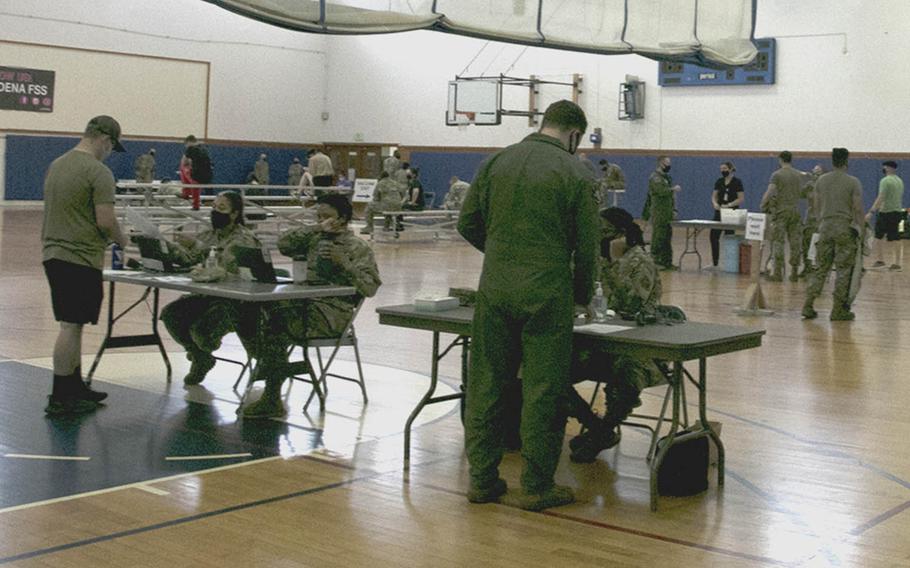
321,169
781,200
838,201
79,223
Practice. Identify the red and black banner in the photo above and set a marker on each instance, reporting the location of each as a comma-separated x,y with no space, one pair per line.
26,89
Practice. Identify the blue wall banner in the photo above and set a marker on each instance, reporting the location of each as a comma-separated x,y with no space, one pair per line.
30,90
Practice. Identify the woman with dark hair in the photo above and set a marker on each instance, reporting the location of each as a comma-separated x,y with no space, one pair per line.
631,285
728,194
334,255
198,323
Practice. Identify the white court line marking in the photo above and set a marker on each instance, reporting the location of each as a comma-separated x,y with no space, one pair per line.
209,457
42,457
153,490
135,485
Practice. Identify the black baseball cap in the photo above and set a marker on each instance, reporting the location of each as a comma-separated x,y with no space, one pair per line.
890,164
106,125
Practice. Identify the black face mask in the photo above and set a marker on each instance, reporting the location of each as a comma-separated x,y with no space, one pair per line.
665,169
725,173
220,220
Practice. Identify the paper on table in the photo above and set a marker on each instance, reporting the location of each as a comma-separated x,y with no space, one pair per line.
142,224
602,328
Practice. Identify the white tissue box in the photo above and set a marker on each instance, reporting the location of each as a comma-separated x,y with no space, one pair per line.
435,304
733,216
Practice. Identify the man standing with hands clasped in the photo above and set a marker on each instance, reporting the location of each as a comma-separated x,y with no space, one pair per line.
524,311
79,223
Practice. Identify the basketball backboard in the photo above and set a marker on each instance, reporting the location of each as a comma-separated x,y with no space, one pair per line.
474,101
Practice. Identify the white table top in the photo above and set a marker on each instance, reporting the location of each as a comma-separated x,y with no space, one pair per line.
233,289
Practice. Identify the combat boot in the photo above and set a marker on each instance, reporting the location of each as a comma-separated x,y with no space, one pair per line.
555,496
490,494
842,314
809,312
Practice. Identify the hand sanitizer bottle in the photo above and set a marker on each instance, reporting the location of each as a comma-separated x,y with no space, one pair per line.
599,304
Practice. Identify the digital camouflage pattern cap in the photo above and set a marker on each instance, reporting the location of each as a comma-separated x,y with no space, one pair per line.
106,125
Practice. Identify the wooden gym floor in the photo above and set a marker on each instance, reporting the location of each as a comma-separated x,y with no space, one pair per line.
815,424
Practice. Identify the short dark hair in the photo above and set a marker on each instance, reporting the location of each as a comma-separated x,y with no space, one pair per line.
339,203
786,156
190,139
623,221
890,163
729,165
839,157
565,115
236,204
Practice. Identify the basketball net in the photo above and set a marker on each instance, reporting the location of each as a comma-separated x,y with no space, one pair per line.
464,119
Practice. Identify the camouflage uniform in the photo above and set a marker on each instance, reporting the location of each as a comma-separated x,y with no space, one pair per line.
785,221
387,196
261,171
268,330
456,194
198,322
391,165
401,177
145,168
659,207
612,180
810,224
295,172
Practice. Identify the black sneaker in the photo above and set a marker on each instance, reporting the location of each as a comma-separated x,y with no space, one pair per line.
60,406
85,392
592,444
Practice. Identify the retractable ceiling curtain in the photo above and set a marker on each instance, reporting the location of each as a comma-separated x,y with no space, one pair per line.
715,32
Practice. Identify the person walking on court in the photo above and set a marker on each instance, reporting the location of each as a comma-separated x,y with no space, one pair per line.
524,309
889,205
660,208
838,199
79,223
782,200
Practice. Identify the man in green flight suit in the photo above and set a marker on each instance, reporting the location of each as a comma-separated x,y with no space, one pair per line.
659,210
524,310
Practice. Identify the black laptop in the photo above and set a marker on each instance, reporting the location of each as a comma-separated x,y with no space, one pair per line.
155,255
255,263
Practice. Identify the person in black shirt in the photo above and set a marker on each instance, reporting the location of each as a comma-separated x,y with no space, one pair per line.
727,194
414,200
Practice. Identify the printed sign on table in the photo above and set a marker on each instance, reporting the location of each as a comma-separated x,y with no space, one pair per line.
26,89
363,190
755,226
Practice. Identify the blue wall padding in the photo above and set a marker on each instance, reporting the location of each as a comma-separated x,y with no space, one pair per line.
28,157
696,175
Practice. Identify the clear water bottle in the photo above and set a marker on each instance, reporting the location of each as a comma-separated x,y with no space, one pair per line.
599,304
212,261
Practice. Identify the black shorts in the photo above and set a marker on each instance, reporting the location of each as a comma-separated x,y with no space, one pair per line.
76,291
886,224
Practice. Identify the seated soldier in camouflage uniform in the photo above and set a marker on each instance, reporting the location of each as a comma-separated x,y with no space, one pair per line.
632,286
199,322
458,189
333,255
387,196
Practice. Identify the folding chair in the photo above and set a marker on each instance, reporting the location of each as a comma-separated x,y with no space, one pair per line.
347,338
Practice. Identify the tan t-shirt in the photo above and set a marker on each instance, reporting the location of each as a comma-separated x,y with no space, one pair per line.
788,183
76,182
835,194
320,165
